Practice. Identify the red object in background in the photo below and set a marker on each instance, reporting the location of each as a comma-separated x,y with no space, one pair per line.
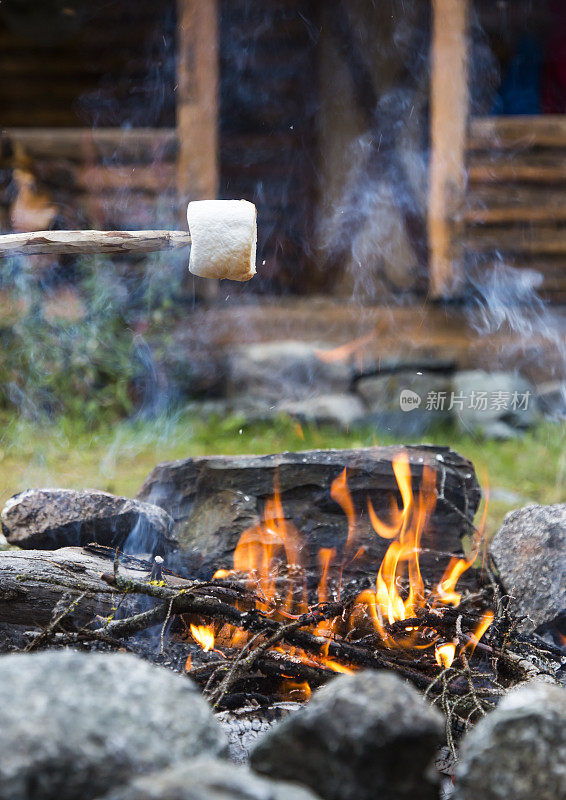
553,90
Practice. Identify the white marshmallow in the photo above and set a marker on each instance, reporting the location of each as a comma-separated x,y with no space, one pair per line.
223,238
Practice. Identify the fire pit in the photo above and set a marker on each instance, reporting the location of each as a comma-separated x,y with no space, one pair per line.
341,561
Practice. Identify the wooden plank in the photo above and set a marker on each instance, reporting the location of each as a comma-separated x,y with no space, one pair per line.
197,106
79,242
449,113
511,133
155,179
517,171
197,99
504,215
92,144
499,196
535,240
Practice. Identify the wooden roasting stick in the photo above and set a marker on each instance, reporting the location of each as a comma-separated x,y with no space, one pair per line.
84,242
223,236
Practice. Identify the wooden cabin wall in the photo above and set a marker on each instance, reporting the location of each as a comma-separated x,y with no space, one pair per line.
88,112
515,212
113,66
268,104
95,114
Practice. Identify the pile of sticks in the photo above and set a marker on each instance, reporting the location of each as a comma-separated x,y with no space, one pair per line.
82,596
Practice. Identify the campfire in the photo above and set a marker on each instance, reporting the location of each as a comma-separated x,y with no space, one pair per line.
398,613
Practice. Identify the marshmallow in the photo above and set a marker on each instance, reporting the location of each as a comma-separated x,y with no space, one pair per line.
223,238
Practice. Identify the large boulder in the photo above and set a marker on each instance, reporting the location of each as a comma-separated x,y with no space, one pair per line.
51,518
214,499
361,737
75,725
529,551
208,779
518,751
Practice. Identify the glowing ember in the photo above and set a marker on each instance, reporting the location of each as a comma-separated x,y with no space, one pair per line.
204,635
444,654
222,573
335,666
296,690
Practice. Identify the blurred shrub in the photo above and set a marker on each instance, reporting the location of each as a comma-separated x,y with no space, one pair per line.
75,351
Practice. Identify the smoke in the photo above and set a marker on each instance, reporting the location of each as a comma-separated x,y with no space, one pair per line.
506,300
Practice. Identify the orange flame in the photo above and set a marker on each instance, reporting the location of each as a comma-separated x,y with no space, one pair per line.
337,667
325,557
402,555
203,635
263,548
269,555
340,493
344,351
296,690
484,624
444,654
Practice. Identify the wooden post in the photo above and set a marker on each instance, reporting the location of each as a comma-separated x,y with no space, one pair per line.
449,116
197,106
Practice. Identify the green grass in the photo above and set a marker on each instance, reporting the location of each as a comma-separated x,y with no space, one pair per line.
119,456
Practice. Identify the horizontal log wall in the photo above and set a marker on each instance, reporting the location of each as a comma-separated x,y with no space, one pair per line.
101,178
112,65
114,72
516,204
89,110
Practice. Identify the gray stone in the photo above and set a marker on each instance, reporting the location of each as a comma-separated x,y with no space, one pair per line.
193,372
399,401
245,408
284,370
529,551
503,395
333,409
208,779
518,751
383,392
52,518
361,737
76,724
551,399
